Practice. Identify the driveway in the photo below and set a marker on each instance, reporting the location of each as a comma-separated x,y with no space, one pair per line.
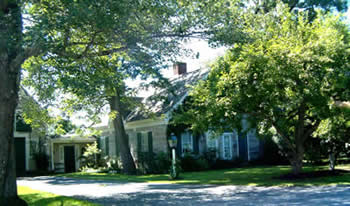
122,193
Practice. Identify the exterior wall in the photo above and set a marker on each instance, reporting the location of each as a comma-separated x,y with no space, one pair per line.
159,138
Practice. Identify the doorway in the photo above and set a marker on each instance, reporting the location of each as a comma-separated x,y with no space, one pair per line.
69,159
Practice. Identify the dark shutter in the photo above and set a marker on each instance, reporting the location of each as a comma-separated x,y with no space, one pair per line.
150,143
139,149
179,144
195,139
107,145
242,140
99,141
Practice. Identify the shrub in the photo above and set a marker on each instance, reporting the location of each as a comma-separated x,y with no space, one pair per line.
42,161
90,156
151,163
190,163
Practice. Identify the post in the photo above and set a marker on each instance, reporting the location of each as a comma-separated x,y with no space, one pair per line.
174,161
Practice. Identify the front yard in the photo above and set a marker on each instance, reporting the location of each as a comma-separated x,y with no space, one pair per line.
253,176
40,198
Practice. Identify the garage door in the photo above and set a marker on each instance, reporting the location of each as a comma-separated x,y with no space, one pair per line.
20,149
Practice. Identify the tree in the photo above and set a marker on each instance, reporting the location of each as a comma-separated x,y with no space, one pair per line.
93,75
335,135
66,31
286,79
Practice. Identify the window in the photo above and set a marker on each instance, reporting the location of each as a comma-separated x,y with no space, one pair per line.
227,146
144,142
212,141
186,142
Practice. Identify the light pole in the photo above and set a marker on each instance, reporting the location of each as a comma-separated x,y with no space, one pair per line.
172,143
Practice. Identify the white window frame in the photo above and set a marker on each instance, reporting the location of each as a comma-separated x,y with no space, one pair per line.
190,147
230,145
209,139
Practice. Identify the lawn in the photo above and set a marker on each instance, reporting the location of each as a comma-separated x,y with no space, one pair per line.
255,176
39,198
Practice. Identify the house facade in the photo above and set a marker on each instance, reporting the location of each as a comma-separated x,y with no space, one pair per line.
148,131
27,141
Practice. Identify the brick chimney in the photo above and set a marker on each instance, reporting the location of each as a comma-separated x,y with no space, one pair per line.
180,68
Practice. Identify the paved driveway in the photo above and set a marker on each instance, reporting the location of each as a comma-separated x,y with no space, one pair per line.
121,193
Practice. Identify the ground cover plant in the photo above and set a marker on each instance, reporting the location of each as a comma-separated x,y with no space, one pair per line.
39,198
253,176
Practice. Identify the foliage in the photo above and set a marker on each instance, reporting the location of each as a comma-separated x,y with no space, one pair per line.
190,163
286,78
159,163
272,155
89,158
253,176
335,134
40,198
41,161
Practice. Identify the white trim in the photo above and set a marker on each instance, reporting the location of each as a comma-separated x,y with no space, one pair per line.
145,123
248,149
52,157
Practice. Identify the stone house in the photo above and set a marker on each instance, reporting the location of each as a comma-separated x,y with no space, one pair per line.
148,129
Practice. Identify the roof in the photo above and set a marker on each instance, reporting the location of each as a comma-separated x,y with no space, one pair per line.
166,99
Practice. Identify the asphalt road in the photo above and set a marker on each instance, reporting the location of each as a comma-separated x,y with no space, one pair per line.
122,193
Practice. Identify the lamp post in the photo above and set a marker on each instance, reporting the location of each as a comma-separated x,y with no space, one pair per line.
172,143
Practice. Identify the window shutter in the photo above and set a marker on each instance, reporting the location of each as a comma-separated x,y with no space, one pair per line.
150,143
139,149
107,145
195,139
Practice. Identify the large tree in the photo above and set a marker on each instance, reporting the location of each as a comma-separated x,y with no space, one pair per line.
287,78
68,32
134,39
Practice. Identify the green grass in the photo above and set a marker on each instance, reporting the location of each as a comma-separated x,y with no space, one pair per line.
257,176
39,198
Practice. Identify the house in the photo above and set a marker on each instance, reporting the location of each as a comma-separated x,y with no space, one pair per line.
66,152
28,141
58,153
148,130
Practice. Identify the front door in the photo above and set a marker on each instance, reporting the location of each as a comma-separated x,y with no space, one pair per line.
20,152
69,159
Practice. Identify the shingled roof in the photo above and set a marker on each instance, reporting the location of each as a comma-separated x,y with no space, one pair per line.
165,100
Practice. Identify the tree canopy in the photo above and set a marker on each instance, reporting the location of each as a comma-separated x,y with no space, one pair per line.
286,78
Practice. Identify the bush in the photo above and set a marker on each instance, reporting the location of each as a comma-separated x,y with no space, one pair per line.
271,153
42,161
90,156
190,163
151,163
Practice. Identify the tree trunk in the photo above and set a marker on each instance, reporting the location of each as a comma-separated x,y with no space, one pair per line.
10,65
332,160
297,163
123,143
